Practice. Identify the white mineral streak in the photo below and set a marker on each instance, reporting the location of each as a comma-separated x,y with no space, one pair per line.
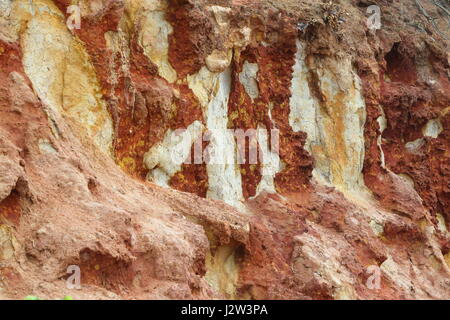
271,163
269,157
248,79
8,27
304,115
166,157
154,35
61,73
335,127
382,122
224,176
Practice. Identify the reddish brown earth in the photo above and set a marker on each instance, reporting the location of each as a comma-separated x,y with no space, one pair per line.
64,202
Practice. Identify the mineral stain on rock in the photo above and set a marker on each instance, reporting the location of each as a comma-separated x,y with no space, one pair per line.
351,140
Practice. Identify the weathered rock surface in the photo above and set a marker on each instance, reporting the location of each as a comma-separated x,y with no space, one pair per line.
352,129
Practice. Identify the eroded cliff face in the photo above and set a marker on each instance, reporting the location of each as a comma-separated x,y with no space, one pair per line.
224,149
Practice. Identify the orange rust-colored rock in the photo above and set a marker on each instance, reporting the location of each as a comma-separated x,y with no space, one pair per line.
307,230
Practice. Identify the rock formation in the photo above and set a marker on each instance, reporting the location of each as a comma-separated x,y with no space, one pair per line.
252,149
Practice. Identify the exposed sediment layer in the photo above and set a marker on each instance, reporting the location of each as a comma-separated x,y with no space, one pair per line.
235,149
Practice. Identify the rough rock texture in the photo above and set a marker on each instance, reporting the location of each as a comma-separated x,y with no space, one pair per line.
353,133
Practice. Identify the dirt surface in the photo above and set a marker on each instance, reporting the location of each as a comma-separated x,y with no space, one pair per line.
363,183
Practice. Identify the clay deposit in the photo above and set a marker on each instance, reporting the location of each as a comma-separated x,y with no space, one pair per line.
348,127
